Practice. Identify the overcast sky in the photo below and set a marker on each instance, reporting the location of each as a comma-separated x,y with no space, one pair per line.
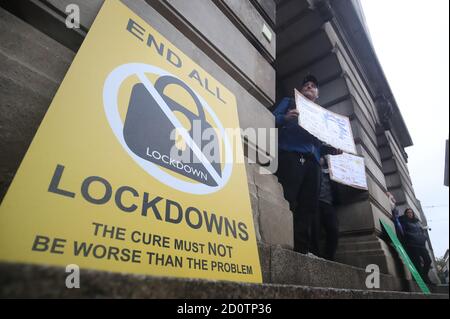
411,38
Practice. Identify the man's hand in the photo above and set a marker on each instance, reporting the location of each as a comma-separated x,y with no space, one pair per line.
335,151
291,115
330,150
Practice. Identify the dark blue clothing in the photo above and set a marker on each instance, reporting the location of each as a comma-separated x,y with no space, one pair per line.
413,232
415,240
292,137
398,225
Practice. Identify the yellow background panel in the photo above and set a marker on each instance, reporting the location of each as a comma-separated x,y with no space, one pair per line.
75,133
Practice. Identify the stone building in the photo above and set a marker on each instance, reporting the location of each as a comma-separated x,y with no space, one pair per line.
445,269
260,50
446,165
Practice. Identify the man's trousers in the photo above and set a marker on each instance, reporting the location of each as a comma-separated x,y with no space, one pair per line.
300,176
328,221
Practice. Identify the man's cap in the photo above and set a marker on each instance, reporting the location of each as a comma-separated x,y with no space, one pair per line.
310,78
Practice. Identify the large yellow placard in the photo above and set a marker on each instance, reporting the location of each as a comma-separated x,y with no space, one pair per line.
117,177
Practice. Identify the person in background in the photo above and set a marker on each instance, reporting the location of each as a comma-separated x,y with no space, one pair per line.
395,216
415,239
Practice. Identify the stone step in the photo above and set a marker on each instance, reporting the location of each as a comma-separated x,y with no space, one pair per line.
33,49
30,281
440,289
283,266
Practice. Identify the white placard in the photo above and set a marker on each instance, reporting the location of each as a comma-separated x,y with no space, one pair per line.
348,169
329,127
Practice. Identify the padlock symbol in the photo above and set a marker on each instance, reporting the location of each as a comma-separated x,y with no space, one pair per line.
147,131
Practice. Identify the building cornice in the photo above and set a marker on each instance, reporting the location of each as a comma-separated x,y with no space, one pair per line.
350,20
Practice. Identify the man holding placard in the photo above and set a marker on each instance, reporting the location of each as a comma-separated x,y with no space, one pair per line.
299,170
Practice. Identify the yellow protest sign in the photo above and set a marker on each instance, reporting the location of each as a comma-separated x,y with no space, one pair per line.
116,177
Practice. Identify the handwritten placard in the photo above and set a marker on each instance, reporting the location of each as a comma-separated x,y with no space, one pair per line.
348,169
329,127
